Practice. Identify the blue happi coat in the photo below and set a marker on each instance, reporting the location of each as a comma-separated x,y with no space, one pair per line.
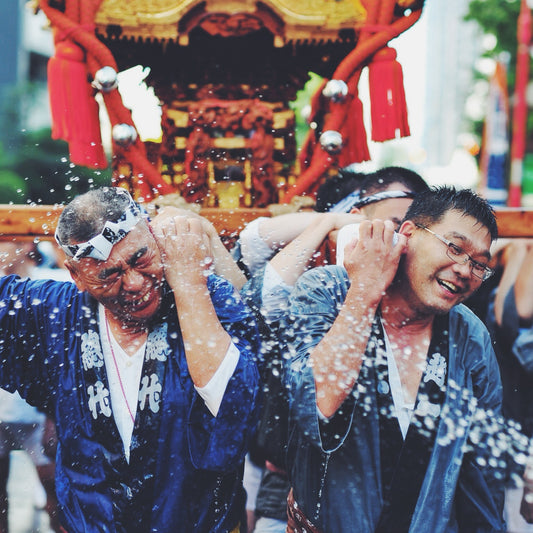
194,460
335,466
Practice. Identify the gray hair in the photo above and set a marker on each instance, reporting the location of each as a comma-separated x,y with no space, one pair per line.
85,216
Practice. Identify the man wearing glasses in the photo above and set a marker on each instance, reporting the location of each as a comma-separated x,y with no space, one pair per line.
391,379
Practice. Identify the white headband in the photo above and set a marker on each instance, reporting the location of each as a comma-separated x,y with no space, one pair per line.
99,247
354,199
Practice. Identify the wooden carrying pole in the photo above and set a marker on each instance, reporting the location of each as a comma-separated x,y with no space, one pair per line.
31,222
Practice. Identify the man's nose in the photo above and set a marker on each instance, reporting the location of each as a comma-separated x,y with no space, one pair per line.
463,269
132,280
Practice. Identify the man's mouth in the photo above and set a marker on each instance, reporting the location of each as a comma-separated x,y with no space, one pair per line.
145,298
140,302
448,285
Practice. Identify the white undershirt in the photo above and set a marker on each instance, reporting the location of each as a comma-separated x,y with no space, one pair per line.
130,368
130,374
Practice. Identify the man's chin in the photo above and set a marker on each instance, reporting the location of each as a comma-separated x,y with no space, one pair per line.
443,308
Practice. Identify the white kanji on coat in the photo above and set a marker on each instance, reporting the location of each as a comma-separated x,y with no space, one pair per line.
99,400
91,352
436,370
151,389
157,347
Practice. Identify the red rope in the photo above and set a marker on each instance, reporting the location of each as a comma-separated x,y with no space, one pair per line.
77,25
78,33
367,45
386,13
353,130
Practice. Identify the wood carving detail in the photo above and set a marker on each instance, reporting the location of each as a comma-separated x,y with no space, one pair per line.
219,126
230,25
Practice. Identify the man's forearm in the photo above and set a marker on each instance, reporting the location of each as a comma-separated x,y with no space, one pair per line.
292,260
278,231
336,360
524,288
225,265
514,258
206,341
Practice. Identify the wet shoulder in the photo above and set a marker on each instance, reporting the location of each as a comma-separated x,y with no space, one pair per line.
325,284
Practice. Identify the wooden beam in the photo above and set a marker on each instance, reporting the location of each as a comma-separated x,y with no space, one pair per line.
515,222
30,222
232,221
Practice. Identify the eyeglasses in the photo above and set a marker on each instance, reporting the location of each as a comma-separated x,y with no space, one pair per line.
459,256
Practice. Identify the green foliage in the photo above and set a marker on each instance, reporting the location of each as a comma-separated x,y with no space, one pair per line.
13,188
34,168
303,98
498,18
43,166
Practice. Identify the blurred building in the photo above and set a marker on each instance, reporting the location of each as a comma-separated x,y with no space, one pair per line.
26,44
452,48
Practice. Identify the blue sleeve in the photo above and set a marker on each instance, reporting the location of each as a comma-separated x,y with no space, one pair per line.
33,335
510,319
480,490
520,339
486,373
221,442
314,305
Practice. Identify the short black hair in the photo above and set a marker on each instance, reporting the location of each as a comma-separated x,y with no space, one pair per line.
430,206
383,178
334,189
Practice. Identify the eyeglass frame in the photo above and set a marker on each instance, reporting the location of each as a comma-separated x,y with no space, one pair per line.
487,271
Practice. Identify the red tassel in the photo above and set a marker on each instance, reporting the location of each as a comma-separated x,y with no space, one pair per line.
75,112
353,133
387,97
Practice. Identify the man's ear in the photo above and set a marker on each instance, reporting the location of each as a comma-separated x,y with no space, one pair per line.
71,267
408,228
